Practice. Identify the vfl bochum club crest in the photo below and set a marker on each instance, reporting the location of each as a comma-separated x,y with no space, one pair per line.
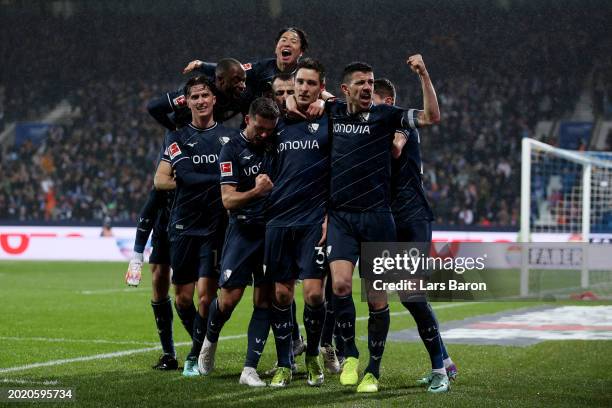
313,127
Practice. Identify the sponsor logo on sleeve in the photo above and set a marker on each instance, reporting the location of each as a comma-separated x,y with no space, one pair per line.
180,101
174,150
226,168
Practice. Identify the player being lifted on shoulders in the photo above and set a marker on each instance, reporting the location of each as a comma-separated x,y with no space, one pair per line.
197,219
413,217
296,227
243,189
360,203
291,44
228,84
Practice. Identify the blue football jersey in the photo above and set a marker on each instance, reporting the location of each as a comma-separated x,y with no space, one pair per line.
361,155
194,156
409,200
300,173
241,162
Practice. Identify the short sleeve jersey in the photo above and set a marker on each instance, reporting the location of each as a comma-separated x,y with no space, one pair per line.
361,155
240,163
300,173
194,155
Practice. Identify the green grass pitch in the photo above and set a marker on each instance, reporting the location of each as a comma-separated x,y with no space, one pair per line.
76,325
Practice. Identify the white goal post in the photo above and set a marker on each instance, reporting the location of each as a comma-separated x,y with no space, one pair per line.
564,195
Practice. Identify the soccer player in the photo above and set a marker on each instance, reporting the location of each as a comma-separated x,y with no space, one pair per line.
283,87
197,219
244,187
413,216
154,217
296,227
228,76
360,201
291,44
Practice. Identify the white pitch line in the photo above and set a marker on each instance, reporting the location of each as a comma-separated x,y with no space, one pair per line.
92,341
104,291
20,381
147,349
100,356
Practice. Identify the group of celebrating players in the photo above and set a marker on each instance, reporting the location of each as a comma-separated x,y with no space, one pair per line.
288,198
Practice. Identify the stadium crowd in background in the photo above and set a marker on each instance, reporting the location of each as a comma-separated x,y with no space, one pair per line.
495,79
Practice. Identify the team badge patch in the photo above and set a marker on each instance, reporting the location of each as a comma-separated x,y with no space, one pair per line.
174,150
247,66
226,169
180,101
313,127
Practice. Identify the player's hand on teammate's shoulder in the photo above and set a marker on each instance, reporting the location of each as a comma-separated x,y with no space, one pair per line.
316,109
263,184
193,65
416,63
292,108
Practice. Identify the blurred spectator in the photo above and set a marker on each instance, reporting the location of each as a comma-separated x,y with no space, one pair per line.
496,76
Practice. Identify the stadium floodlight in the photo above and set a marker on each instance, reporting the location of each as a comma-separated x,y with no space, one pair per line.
566,195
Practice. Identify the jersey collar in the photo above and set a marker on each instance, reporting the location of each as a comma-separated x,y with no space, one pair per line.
199,129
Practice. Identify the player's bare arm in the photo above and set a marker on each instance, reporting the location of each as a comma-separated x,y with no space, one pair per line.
430,115
234,200
399,141
164,176
193,65
324,232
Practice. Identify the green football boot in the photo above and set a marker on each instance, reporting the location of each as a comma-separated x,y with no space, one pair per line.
349,375
315,371
369,383
281,378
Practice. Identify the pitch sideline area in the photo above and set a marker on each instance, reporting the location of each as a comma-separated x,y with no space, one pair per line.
60,333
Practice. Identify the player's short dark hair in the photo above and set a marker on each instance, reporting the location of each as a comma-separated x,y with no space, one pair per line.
311,63
384,87
225,65
356,66
283,76
264,107
198,80
301,33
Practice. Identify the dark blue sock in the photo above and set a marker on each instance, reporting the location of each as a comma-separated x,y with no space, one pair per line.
295,333
428,330
330,317
259,327
216,320
199,331
339,343
345,323
187,317
327,333
444,352
378,328
146,219
162,311
282,326
314,316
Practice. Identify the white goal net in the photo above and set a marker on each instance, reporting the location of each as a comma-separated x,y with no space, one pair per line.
566,196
